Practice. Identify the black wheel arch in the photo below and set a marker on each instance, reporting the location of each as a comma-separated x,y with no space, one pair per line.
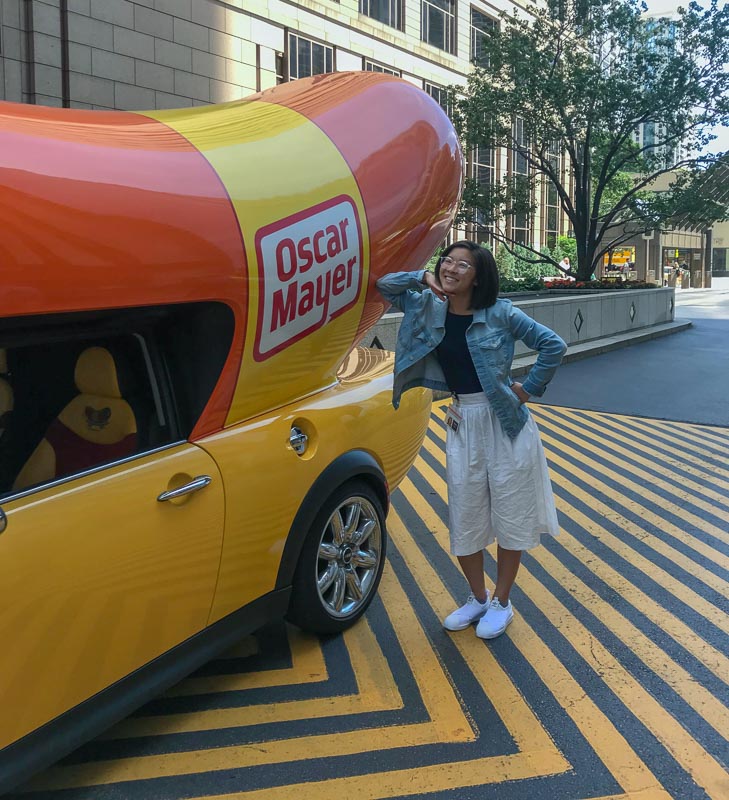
355,464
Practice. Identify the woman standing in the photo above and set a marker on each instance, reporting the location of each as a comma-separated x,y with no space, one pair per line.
458,336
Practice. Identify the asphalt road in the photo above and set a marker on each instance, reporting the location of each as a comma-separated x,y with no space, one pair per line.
682,377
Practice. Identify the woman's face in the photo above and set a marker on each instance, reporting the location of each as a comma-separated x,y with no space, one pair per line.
457,272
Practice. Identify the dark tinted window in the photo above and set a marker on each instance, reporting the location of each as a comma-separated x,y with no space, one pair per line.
94,388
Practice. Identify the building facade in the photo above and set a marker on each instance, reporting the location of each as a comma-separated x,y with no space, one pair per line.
153,54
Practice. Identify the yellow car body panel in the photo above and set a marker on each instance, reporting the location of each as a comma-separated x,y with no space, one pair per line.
98,578
268,189
265,480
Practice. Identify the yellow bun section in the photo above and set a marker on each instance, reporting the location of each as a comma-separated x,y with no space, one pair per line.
322,173
306,246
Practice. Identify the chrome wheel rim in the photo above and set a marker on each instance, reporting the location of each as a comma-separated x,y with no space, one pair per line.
350,551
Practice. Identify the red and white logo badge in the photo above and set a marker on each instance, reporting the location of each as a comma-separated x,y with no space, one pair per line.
310,271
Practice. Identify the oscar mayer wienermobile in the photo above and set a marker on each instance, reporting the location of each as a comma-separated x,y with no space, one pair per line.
193,441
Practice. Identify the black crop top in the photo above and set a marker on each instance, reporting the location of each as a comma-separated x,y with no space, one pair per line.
454,358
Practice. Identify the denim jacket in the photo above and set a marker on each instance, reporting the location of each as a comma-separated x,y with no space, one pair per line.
490,339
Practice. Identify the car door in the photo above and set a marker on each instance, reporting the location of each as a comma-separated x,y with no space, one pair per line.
101,573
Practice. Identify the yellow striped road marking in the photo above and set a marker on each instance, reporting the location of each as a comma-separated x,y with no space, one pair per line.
653,656
448,723
582,427
706,771
650,517
707,706
401,783
308,666
666,580
702,650
556,449
376,691
678,447
706,484
625,765
661,502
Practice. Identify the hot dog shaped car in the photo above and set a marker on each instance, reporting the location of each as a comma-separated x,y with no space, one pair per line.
193,441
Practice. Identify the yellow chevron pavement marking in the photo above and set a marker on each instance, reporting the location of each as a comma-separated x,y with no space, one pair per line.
646,537
624,764
653,656
705,770
664,578
583,427
659,432
677,510
401,783
308,666
719,436
712,659
521,722
448,723
375,684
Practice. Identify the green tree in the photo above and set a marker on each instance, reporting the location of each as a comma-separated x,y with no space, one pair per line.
505,262
580,78
566,246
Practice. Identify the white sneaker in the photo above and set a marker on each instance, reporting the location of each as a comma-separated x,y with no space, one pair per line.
467,614
496,620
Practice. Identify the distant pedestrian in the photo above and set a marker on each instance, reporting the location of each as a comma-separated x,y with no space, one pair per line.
458,336
565,264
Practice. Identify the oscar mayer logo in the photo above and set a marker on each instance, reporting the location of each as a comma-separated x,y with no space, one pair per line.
310,271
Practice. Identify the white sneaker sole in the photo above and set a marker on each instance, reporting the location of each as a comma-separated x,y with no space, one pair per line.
494,634
464,627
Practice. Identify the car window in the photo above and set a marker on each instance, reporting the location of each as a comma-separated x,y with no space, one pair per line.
90,390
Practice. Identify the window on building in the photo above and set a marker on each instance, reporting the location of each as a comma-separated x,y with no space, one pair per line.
521,220
371,66
720,262
481,27
482,169
307,57
439,94
438,23
387,11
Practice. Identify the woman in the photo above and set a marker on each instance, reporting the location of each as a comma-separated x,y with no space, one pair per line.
458,336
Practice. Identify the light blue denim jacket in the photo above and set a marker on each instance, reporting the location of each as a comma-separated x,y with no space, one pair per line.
490,339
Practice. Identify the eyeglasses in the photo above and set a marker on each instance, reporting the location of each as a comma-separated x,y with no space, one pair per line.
459,266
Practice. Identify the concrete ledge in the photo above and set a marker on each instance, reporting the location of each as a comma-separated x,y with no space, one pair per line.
589,323
575,352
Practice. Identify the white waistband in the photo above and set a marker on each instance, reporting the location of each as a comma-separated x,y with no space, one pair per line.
475,399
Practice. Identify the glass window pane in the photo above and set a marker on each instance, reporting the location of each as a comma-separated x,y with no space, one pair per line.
317,60
303,58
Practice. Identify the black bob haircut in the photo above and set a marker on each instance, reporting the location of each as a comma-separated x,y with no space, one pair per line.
486,288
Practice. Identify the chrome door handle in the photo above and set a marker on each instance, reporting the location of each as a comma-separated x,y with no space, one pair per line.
194,486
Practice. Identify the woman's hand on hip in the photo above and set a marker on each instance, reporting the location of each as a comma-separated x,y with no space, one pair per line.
518,390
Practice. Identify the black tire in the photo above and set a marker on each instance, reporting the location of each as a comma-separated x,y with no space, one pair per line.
335,578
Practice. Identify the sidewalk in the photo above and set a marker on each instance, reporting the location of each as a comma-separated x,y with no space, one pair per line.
718,286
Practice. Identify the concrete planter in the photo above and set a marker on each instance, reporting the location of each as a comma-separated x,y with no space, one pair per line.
577,317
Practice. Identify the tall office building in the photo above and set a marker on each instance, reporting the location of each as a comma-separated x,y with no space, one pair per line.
152,54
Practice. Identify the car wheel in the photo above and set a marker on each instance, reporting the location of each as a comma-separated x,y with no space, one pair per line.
341,561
